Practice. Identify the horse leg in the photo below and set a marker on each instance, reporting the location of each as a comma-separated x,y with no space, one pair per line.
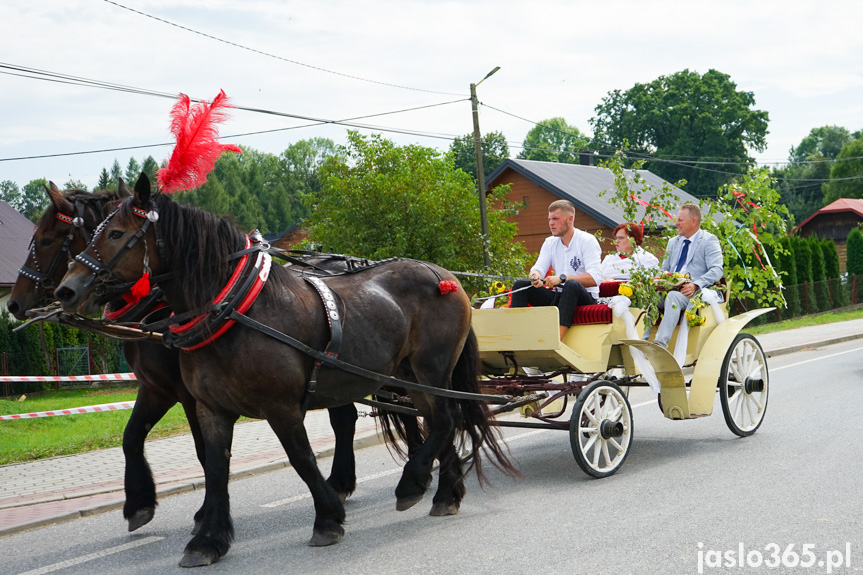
416,475
413,435
216,530
343,475
190,408
140,504
329,510
451,489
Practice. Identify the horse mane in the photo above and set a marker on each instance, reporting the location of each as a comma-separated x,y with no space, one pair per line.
198,245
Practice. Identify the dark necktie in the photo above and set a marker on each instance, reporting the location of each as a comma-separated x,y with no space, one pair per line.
683,253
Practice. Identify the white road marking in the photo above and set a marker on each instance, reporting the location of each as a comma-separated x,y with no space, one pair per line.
91,556
816,359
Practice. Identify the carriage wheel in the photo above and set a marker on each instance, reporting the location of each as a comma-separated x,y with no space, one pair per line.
600,429
743,385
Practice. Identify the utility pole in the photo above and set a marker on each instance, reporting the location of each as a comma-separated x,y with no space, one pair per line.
480,174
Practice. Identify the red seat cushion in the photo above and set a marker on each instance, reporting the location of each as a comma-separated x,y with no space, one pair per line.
609,289
592,314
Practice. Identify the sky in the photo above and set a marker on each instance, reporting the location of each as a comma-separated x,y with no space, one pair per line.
338,59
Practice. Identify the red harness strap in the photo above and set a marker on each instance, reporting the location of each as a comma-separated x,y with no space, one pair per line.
225,291
247,301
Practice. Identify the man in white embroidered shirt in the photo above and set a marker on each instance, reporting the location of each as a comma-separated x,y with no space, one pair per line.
576,258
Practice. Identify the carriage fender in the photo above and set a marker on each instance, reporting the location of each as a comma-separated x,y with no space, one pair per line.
709,364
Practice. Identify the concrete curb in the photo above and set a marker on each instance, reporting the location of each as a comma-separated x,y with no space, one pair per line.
822,343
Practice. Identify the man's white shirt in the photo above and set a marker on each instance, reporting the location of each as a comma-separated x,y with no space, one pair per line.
583,255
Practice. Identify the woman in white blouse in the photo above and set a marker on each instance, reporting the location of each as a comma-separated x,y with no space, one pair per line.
627,242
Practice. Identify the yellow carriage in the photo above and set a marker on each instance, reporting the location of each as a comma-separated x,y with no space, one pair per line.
596,363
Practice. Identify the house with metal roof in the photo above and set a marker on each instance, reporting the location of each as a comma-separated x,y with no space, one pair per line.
590,189
15,234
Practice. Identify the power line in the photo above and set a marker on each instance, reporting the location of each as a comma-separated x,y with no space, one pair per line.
269,55
45,75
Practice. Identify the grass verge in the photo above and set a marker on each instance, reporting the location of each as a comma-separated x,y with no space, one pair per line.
31,439
805,321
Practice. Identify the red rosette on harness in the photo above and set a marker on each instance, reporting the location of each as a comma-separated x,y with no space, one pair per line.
198,147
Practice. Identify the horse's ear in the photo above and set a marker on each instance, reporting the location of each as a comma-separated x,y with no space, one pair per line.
142,190
123,190
57,198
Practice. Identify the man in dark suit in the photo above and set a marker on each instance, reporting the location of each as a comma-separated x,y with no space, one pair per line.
693,251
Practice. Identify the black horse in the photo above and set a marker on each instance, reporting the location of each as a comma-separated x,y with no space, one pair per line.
64,231
397,320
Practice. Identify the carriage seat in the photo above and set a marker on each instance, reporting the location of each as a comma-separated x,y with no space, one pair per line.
598,313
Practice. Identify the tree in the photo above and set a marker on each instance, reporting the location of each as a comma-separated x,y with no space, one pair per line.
688,117
116,174
10,193
104,180
854,251
133,170
495,151
846,174
149,167
809,162
34,200
73,184
553,140
819,276
379,200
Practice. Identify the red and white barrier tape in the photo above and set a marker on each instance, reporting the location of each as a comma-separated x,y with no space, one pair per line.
39,378
73,410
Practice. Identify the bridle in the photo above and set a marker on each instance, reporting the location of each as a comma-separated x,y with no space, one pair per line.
44,279
109,284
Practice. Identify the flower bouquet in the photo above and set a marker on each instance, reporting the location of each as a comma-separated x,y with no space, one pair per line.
646,286
692,317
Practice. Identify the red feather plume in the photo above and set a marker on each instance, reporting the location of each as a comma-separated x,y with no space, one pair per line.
198,147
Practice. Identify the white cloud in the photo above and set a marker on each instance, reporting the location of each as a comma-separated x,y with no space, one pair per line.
557,58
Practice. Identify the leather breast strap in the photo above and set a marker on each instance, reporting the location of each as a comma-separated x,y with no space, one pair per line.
331,309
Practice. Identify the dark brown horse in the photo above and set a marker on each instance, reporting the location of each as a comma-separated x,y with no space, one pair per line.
63,232
396,321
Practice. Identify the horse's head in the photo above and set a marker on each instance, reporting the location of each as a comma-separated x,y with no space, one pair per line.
63,231
119,254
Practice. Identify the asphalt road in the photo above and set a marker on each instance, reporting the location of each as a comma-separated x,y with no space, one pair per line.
689,497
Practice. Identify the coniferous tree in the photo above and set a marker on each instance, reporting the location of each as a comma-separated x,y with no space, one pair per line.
819,276
854,261
133,170
104,180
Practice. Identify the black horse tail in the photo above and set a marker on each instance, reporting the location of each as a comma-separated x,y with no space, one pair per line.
399,429
475,415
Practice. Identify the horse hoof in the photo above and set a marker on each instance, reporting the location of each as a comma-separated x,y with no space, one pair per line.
140,518
197,527
197,560
443,509
405,503
324,538
343,497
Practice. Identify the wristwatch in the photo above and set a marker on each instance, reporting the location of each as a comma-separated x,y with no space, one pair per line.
563,278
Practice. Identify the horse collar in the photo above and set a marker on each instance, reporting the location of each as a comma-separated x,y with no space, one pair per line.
239,294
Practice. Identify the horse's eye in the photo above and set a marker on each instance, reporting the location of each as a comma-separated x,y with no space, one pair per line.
45,242
115,234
